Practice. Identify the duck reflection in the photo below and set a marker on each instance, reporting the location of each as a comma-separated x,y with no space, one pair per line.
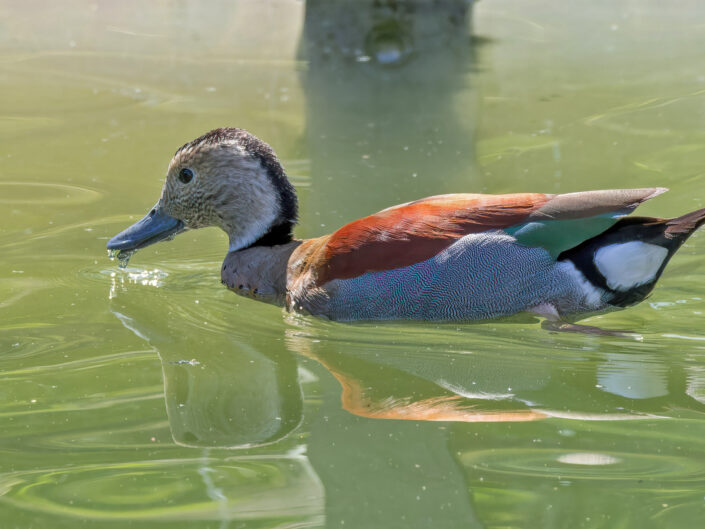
232,393
388,380
538,436
376,389
240,391
257,403
226,390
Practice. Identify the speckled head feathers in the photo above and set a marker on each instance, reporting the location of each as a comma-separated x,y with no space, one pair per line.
231,179
259,150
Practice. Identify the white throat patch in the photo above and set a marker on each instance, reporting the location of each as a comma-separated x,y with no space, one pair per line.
629,264
254,231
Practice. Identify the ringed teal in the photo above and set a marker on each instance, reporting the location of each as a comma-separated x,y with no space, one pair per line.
447,257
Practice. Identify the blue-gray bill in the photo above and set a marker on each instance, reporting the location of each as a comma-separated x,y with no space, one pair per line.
154,227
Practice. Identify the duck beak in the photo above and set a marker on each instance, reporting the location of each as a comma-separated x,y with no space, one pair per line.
154,227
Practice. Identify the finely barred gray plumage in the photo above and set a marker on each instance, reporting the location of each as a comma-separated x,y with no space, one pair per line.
481,276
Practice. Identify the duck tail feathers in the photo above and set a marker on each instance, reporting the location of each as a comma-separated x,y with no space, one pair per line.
627,259
683,227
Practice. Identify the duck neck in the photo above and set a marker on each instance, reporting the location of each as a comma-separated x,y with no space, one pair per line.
259,271
276,235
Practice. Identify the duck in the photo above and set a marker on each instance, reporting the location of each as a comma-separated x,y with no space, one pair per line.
454,257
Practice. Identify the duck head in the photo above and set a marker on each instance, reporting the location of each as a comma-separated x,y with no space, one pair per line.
226,178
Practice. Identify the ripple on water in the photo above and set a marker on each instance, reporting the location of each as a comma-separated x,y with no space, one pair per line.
574,465
37,193
14,125
679,513
236,488
192,275
119,279
14,289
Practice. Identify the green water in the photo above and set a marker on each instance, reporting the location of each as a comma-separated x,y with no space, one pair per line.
153,397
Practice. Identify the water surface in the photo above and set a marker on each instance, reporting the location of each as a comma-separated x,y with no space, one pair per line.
153,397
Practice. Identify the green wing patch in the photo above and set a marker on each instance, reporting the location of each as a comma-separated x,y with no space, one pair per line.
556,236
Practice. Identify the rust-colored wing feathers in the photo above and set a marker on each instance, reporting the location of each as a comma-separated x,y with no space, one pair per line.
413,232
410,233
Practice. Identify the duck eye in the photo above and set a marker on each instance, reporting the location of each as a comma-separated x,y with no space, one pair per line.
185,175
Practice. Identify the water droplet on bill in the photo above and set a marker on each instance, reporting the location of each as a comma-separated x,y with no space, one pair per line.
123,256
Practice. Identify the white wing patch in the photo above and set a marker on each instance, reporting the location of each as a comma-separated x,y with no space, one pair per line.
629,264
